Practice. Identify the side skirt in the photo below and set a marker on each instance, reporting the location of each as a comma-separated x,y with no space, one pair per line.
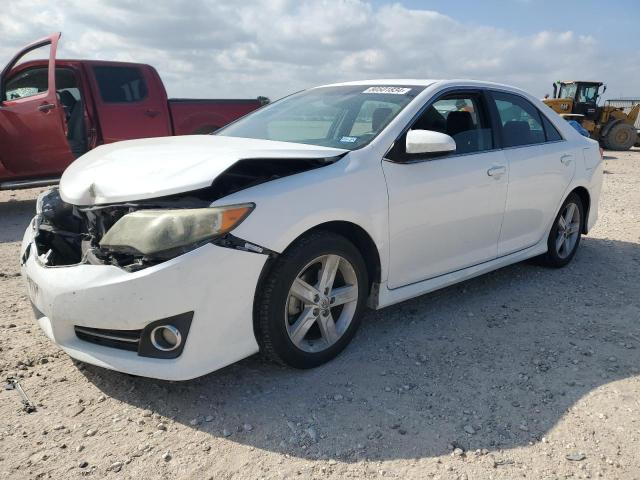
383,296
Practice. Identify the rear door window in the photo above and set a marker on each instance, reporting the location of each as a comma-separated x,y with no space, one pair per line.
521,121
120,84
551,132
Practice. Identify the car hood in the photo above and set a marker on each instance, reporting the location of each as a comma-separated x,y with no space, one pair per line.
156,167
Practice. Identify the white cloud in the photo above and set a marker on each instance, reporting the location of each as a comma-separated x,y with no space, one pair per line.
208,48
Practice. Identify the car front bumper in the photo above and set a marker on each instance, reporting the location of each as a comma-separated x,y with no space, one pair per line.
218,284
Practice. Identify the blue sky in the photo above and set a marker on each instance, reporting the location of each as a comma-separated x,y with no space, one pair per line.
225,49
616,23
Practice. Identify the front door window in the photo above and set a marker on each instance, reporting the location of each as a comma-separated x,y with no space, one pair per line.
27,83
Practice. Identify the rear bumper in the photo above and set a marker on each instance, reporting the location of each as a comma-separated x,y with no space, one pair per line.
217,284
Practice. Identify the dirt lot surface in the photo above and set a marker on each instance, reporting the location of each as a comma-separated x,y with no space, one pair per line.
523,373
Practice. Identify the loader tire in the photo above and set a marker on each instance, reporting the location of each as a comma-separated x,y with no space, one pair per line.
622,136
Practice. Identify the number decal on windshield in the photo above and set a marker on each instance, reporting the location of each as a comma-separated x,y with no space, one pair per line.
391,90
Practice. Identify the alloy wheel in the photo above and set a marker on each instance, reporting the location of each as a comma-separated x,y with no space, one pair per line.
321,303
568,230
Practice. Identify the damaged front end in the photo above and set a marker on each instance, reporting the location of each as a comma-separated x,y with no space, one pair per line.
67,234
140,233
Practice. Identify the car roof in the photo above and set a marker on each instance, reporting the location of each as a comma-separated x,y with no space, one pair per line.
387,81
426,83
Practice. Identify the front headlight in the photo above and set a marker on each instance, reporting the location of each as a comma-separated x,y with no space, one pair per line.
151,231
43,197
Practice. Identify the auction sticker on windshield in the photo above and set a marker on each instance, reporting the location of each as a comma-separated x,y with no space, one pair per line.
391,90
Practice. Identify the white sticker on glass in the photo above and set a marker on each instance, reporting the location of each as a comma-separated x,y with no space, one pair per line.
348,139
391,90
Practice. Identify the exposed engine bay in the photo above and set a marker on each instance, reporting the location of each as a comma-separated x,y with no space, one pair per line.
69,234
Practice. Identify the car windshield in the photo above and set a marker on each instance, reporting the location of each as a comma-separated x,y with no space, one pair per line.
346,117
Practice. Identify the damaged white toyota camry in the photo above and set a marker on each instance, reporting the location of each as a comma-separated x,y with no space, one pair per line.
173,257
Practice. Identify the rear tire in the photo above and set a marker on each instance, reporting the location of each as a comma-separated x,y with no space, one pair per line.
565,234
622,136
310,302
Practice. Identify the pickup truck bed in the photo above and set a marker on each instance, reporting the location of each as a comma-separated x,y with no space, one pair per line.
197,116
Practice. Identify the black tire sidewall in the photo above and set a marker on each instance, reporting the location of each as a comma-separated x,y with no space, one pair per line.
272,334
610,142
552,256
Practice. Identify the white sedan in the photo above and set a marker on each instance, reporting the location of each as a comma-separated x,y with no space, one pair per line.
173,257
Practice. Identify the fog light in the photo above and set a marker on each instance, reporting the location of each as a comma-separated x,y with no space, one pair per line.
166,338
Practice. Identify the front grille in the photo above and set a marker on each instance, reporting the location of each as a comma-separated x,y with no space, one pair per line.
122,339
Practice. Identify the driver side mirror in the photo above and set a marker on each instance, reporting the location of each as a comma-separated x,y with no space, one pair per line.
430,142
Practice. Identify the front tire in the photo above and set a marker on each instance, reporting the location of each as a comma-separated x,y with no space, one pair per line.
309,306
565,234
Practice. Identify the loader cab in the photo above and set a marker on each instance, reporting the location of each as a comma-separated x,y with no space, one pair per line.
584,96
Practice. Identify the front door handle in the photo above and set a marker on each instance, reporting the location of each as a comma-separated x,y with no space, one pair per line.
45,107
566,159
496,172
152,113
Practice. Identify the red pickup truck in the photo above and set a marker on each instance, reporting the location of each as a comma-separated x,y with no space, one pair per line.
52,111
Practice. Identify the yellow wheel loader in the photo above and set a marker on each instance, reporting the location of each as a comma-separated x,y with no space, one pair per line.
611,126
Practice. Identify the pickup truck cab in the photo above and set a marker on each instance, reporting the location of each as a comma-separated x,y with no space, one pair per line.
52,111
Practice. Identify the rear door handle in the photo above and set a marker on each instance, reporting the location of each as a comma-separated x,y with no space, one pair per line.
45,107
566,159
496,172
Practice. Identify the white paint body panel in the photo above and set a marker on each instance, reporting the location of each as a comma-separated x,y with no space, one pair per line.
154,167
538,178
452,224
213,282
433,223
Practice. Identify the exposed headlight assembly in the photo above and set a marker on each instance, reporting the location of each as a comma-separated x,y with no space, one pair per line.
40,200
150,232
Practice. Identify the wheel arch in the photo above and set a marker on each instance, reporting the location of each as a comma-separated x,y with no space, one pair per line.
585,197
357,235
362,241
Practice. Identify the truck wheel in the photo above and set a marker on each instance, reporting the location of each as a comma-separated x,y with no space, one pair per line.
621,137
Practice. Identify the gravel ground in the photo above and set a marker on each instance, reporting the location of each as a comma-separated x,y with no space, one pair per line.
522,373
